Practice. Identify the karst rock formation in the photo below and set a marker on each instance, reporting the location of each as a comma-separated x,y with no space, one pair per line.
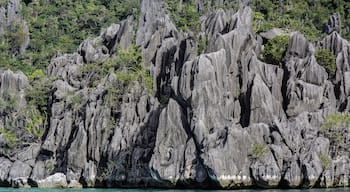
221,118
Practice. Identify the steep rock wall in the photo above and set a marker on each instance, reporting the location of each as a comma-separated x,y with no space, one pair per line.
221,119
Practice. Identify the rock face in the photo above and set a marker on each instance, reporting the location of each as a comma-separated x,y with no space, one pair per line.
58,180
220,119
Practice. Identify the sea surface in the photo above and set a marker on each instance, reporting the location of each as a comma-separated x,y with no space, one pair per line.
170,190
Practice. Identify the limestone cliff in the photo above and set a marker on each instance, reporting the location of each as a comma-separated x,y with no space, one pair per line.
219,119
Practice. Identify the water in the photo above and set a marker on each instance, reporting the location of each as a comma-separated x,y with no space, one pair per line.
161,190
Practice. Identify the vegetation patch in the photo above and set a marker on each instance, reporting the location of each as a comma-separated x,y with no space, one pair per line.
335,128
291,15
325,160
275,49
10,138
259,150
186,17
327,59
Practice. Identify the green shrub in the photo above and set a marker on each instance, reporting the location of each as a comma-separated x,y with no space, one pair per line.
187,18
335,121
335,128
203,43
94,72
291,15
10,138
38,95
325,160
275,49
9,102
127,66
327,59
76,101
130,59
15,36
34,123
259,150
113,97
148,81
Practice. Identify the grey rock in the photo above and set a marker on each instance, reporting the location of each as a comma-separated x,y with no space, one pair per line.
29,154
215,23
174,153
2,20
273,33
334,24
265,171
5,166
20,182
298,46
58,180
307,84
263,106
340,47
19,173
93,51
293,175
73,184
14,8
119,35
264,167
202,123
89,175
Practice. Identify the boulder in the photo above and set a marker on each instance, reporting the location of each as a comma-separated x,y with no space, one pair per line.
56,181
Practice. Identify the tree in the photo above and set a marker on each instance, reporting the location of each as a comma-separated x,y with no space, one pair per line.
275,49
327,59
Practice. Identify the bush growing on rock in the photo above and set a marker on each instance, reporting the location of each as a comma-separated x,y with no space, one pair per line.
325,160
9,137
259,150
129,65
335,128
186,18
275,49
327,59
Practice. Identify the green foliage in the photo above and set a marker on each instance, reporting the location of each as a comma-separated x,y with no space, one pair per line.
10,44
148,81
76,101
57,27
259,150
9,102
291,14
185,17
203,43
130,59
38,95
10,138
275,49
15,36
335,128
49,167
328,60
34,123
127,66
94,72
325,160
113,97
335,121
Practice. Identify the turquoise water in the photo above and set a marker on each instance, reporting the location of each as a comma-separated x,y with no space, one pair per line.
159,190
